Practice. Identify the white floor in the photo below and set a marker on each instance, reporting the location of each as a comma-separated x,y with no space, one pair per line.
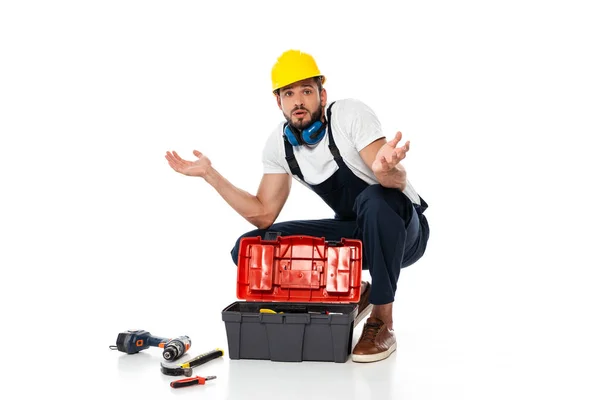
454,342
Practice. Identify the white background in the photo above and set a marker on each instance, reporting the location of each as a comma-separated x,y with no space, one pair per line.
99,235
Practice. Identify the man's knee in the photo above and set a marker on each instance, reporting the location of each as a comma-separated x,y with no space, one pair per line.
376,196
236,249
370,194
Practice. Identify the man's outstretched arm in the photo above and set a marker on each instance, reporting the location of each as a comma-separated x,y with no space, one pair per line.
260,210
384,159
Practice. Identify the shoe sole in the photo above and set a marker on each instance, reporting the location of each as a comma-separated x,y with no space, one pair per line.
366,358
363,314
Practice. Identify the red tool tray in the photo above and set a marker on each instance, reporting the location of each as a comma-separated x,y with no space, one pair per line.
299,269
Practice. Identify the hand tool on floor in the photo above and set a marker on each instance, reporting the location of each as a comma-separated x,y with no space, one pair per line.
198,380
134,341
186,367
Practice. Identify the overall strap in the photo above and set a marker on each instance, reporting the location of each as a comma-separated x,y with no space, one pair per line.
290,158
332,147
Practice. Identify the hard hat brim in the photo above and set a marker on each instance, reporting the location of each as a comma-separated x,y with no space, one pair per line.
284,84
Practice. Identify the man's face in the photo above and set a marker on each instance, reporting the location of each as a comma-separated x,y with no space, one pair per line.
301,103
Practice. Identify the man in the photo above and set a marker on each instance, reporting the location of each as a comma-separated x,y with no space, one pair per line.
337,150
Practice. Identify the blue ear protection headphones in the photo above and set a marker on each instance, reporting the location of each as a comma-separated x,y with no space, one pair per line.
311,135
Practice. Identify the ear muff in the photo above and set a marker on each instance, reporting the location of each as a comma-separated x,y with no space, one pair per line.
311,135
292,135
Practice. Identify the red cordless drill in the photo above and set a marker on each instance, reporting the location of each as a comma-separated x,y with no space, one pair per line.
134,341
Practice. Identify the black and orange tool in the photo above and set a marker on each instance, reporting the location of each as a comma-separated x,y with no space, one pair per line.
134,341
186,367
198,380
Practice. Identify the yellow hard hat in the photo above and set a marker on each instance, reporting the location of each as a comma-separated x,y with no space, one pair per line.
293,66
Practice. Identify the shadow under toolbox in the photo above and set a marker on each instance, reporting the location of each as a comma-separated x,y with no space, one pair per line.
301,294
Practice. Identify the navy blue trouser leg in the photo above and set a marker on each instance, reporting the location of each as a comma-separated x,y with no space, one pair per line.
330,229
390,230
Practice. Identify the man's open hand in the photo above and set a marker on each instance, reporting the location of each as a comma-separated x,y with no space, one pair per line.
199,167
389,156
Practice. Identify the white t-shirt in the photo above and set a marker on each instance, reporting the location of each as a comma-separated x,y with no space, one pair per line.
354,126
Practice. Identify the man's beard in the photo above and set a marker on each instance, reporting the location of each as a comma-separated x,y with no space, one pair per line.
304,123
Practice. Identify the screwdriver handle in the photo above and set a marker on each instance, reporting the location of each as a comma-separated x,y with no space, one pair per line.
197,380
188,382
203,358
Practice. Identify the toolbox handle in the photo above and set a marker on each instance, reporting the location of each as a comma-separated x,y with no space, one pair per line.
272,235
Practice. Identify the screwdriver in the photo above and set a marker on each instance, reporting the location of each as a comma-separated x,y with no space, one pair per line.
198,380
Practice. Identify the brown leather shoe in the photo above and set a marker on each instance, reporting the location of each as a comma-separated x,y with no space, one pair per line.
364,307
376,343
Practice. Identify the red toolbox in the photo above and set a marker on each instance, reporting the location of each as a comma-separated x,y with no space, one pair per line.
301,294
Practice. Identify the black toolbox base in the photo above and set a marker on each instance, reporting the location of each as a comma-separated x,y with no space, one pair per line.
301,332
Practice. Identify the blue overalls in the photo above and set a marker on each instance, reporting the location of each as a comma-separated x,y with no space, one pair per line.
393,230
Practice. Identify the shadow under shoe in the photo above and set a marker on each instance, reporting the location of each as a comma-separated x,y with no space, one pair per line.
376,343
